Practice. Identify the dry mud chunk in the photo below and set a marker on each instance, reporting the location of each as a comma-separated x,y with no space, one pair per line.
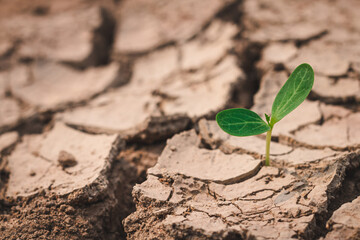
297,31
50,86
160,22
149,71
336,91
49,200
308,112
279,52
9,113
200,93
272,204
251,188
153,188
212,135
325,59
284,20
264,12
209,47
342,36
304,155
344,42
329,111
34,164
7,140
335,133
126,111
345,222
83,44
183,156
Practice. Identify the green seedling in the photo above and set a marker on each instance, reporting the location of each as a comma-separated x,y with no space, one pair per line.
243,122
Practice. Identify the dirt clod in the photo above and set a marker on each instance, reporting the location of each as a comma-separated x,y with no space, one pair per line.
66,159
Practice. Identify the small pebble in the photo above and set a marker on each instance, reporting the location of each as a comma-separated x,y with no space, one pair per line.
66,159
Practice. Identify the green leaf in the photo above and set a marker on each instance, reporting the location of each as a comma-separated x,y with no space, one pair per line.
241,122
293,93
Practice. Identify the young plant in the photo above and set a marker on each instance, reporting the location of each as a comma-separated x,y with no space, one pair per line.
243,122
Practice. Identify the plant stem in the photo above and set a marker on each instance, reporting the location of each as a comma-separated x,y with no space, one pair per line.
268,140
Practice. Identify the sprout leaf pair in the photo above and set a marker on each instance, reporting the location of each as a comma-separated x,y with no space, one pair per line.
243,122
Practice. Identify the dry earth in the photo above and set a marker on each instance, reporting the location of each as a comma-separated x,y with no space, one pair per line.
107,130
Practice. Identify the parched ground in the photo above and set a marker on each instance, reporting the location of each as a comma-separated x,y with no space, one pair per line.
107,124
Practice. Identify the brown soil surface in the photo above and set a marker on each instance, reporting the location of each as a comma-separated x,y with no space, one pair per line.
107,124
